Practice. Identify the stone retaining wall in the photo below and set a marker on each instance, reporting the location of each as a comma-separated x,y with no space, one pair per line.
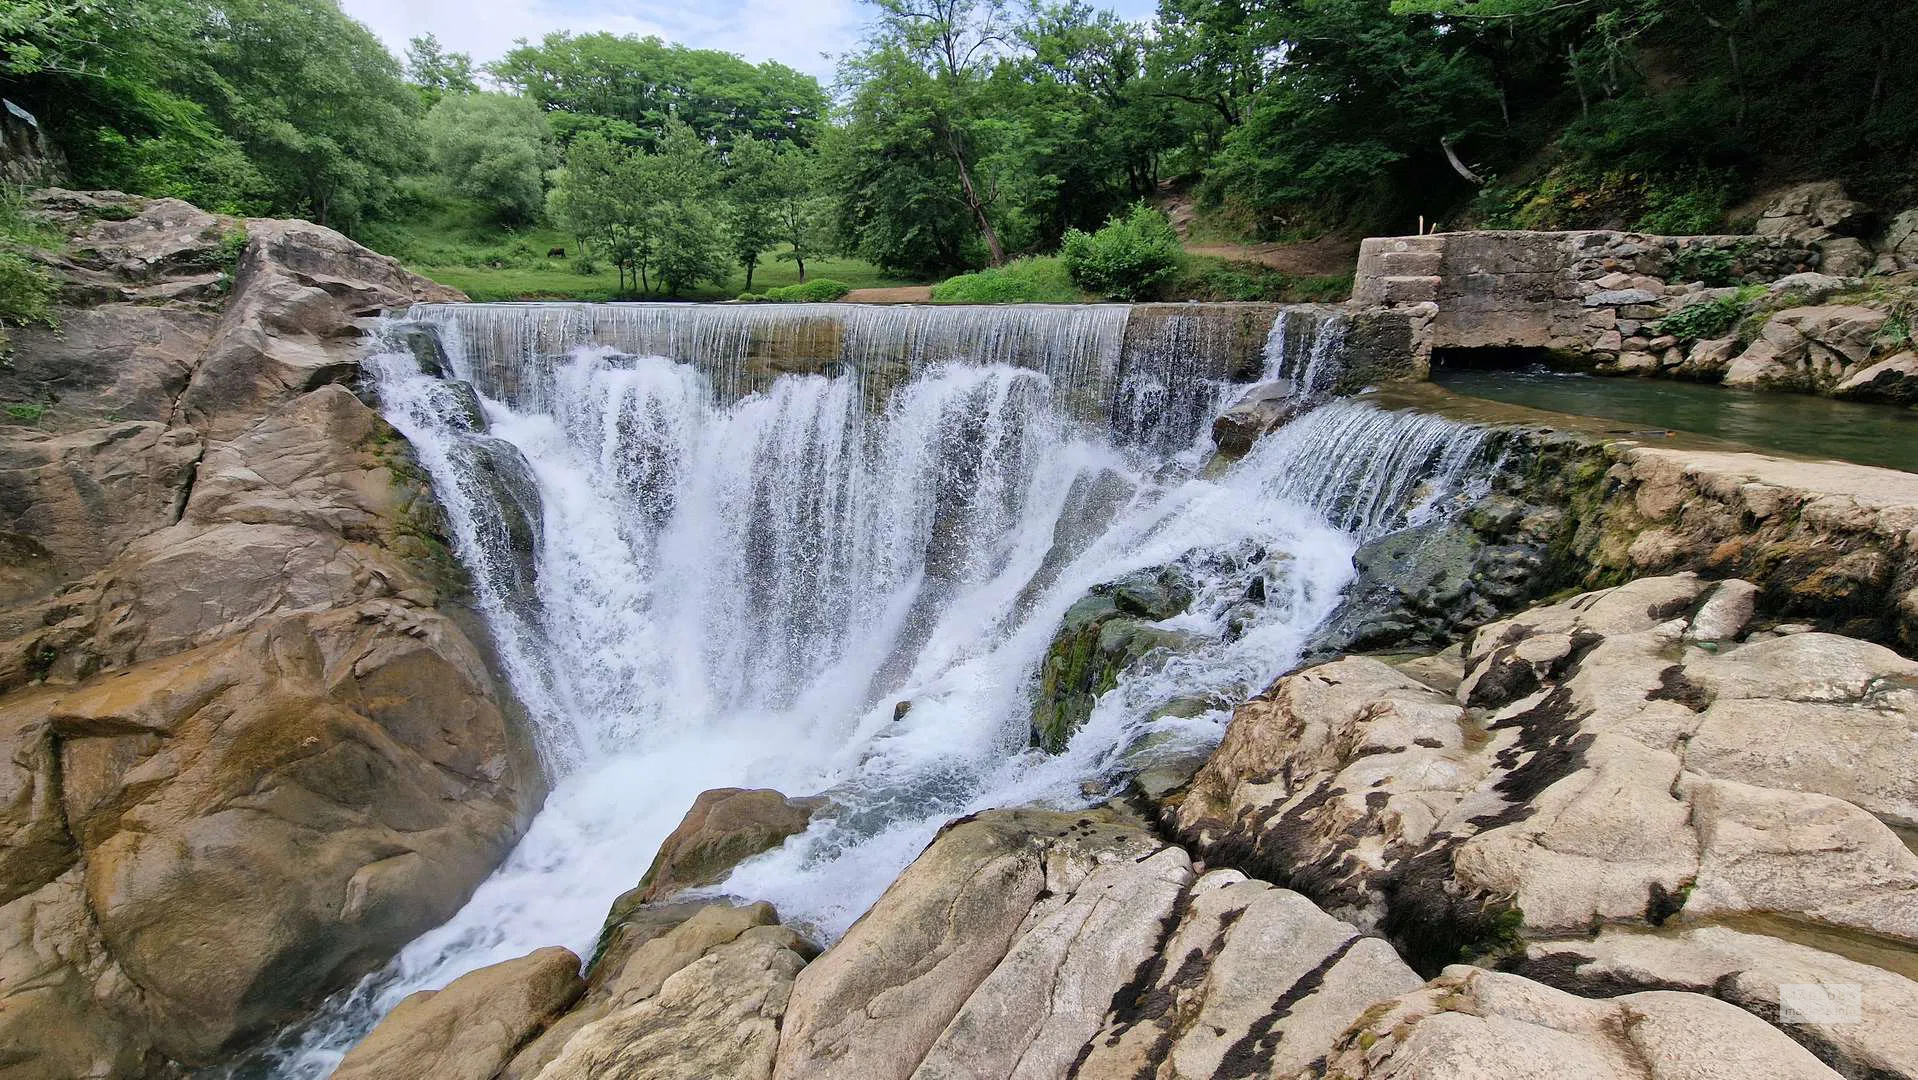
1581,294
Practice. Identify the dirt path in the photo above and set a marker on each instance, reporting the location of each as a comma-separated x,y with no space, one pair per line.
903,294
1320,257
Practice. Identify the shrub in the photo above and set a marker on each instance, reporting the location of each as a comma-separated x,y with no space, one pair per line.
1709,319
1128,259
27,413
1026,281
816,291
27,291
1714,266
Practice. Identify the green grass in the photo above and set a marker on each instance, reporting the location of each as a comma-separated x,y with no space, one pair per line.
1037,280
27,290
1207,277
451,242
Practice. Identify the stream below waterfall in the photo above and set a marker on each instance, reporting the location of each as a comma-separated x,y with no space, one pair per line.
732,582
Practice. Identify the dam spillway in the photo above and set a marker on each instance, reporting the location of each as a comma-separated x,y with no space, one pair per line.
826,548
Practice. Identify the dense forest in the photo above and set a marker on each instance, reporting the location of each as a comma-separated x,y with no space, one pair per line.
964,133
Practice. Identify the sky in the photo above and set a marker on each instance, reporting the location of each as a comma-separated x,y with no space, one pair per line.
804,34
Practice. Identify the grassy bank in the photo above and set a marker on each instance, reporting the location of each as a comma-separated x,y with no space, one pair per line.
453,243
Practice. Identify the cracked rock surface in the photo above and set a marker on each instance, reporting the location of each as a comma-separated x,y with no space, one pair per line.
250,743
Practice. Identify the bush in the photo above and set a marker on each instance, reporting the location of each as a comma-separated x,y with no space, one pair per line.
1026,281
27,291
1714,266
1581,196
1128,259
1709,319
816,291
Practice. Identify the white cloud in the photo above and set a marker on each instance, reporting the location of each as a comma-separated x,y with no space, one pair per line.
805,34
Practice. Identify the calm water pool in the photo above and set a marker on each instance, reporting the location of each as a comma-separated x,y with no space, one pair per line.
1791,423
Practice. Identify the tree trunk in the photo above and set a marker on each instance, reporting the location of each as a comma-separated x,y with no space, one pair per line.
1458,166
975,203
801,263
749,274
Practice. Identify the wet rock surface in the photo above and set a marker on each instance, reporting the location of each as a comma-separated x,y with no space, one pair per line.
1112,630
725,827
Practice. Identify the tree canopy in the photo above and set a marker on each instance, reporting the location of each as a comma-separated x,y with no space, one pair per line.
962,133
646,84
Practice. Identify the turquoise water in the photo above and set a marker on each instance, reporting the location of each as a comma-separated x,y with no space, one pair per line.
1789,423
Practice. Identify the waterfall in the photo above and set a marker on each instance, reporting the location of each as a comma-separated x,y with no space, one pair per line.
1368,472
1306,348
729,580
743,347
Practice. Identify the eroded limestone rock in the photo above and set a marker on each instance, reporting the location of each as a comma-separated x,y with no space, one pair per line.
915,967
248,754
1621,760
1486,1025
1253,981
470,1029
725,827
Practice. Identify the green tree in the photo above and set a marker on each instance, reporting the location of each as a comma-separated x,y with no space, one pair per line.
437,72
1359,116
689,238
754,191
599,197
799,207
647,83
109,79
494,148
954,43
895,193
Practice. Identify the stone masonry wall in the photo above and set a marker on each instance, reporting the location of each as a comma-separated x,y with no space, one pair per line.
1586,295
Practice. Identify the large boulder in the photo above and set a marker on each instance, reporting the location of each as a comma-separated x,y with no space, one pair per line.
716,1014
1007,887
725,827
1491,1026
1260,410
469,1030
1898,246
253,741
1253,980
1810,349
1760,973
1112,630
1029,944
292,323
1638,758
1893,380
259,820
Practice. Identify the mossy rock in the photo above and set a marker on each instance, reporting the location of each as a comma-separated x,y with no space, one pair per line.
1101,636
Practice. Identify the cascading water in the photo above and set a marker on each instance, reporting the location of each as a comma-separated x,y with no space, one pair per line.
1306,348
695,588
